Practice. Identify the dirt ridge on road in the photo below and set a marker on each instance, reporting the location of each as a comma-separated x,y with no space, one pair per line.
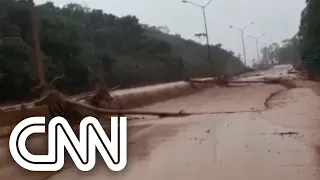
287,83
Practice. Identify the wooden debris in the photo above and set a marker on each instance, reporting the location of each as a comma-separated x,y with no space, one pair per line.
287,133
292,71
225,81
75,111
103,94
220,81
266,81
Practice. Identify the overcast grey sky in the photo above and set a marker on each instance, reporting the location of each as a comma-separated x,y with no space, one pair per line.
279,19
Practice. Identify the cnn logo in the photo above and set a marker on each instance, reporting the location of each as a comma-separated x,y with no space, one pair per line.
62,137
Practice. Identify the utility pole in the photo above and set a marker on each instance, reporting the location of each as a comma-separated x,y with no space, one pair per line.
203,7
37,60
243,42
258,54
257,44
208,43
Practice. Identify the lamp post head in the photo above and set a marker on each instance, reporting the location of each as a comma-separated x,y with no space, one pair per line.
230,26
252,22
184,1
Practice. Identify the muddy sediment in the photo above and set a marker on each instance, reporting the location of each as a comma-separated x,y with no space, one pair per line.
228,145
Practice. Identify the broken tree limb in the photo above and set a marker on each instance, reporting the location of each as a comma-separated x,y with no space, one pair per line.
292,72
127,112
266,81
115,88
221,81
56,78
287,83
202,81
253,82
102,94
60,105
226,80
103,112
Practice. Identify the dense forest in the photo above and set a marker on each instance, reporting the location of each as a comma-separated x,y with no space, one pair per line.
86,46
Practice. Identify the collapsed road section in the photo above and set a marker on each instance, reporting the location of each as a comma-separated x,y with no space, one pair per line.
252,142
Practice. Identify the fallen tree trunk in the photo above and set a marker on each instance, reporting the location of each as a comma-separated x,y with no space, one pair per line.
201,80
220,81
127,112
75,111
256,81
226,82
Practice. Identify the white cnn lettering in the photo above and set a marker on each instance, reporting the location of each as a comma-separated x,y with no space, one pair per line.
61,137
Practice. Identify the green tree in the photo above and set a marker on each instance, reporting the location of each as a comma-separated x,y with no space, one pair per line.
88,45
309,35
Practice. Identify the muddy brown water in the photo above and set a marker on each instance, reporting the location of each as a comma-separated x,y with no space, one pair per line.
243,146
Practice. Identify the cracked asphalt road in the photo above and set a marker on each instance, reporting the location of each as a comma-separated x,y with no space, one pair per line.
243,145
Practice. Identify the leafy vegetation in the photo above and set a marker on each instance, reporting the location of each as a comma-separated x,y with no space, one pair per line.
86,45
196,56
309,34
286,53
309,31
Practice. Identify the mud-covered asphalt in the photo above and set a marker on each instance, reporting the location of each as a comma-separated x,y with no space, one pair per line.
275,142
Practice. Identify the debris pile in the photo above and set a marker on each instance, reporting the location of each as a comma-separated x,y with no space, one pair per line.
104,103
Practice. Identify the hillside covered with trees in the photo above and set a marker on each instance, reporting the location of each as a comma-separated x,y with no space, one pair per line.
83,45
195,55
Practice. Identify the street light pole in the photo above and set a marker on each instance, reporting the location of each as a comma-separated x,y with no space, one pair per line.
257,44
208,42
244,49
206,29
243,43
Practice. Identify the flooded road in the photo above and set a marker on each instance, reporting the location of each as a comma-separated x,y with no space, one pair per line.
248,142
